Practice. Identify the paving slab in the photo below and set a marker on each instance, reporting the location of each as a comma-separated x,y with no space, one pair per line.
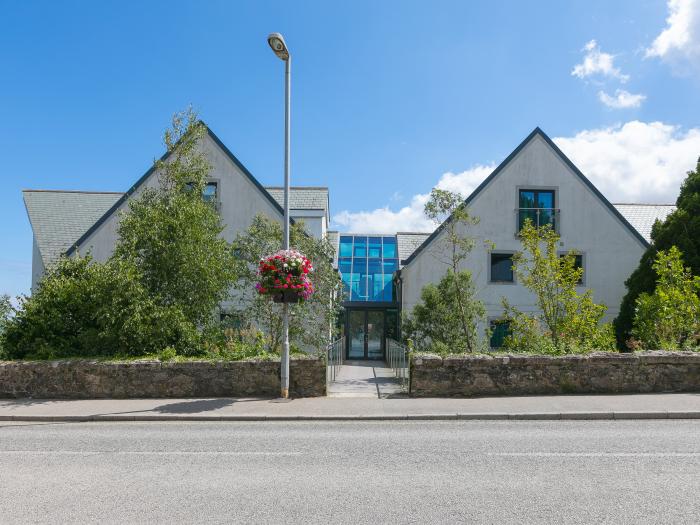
639,406
368,379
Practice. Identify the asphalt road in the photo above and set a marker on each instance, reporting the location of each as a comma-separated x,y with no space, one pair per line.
352,472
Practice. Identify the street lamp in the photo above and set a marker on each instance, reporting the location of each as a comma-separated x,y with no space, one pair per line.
279,47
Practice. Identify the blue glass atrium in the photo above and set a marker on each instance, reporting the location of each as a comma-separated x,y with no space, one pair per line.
367,264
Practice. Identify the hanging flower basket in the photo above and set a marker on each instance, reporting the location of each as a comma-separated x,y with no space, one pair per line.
285,277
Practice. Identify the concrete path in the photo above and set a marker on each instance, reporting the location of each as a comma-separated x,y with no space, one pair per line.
649,406
370,379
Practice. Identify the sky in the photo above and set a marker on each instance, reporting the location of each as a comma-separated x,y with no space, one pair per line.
389,99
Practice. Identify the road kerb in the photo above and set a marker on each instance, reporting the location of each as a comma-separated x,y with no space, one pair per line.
484,416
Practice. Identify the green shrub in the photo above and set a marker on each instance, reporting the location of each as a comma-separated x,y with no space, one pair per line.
82,308
669,318
5,313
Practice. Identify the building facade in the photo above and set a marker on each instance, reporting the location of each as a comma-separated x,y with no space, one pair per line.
383,274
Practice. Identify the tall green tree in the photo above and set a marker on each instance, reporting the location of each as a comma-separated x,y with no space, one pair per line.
449,312
682,229
669,318
569,319
312,322
173,236
5,313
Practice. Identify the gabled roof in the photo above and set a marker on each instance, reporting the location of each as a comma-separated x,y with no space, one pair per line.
59,218
535,132
145,176
302,197
408,242
643,216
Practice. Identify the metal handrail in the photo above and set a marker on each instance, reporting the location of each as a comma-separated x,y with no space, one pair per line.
398,360
552,212
334,358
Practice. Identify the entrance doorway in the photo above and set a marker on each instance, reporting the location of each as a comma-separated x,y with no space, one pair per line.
365,334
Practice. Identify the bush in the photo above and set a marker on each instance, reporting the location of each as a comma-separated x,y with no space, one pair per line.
5,313
567,321
82,308
669,318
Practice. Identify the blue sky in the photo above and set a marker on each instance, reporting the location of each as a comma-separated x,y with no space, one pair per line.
389,98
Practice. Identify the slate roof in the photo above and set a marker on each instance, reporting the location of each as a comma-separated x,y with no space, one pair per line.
302,197
643,216
59,218
407,242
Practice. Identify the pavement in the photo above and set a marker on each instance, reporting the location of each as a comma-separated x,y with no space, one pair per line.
618,472
642,406
372,379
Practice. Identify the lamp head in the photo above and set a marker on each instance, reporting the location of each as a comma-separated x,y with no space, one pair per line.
278,45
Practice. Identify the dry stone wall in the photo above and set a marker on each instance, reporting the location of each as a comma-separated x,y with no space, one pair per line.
515,375
84,379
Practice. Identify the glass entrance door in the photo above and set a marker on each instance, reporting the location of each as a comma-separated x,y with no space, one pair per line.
375,334
356,334
365,334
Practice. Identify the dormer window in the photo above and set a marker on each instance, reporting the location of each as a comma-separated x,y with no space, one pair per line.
539,207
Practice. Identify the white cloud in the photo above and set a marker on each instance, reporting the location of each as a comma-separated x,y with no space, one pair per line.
411,217
622,99
597,63
631,162
636,161
680,40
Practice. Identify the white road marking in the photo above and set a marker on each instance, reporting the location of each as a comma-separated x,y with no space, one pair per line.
152,452
598,454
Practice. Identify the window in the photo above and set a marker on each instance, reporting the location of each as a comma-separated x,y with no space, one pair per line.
345,246
209,194
500,329
538,207
578,263
501,268
367,265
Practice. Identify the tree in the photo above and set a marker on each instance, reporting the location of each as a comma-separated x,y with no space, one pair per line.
449,313
173,236
435,324
86,308
669,318
567,318
313,321
5,313
682,229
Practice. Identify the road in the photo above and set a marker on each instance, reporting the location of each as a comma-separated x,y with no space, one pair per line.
351,472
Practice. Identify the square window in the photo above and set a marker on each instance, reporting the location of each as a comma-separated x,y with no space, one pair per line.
537,206
501,268
578,263
360,247
500,329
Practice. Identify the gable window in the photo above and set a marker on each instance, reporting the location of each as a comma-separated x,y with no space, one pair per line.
538,207
501,268
500,329
578,263
210,192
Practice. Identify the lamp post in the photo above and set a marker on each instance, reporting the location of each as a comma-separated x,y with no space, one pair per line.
279,47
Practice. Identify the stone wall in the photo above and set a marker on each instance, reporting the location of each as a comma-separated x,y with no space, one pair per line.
515,375
83,379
